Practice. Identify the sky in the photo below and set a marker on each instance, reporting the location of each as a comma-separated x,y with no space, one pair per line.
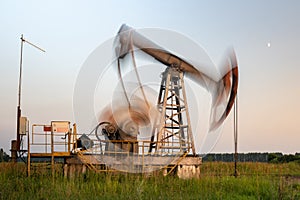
264,34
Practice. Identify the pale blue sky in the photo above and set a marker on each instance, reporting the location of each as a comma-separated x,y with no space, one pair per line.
269,92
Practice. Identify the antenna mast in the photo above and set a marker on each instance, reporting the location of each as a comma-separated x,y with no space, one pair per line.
20,88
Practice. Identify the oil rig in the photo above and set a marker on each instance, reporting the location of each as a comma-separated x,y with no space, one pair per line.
114,144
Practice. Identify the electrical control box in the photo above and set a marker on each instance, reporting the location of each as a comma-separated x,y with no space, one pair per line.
23,126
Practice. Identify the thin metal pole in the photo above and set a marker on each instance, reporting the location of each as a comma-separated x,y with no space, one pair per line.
20,75
39,48
235,135
19,95
20,89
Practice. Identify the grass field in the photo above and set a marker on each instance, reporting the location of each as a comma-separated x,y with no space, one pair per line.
255,181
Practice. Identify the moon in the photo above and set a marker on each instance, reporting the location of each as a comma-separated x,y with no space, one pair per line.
269,44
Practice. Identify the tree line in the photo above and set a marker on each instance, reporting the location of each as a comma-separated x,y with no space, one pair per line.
253,157
226,157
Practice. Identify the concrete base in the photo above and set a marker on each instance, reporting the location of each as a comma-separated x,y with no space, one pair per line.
183,167
72,170
188,171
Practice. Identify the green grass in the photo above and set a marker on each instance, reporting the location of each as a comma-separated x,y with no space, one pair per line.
256,181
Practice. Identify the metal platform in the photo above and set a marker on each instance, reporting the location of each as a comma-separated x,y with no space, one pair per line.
106,155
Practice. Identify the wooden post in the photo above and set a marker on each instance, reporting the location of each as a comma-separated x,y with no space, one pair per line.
14,149
52,152
28,156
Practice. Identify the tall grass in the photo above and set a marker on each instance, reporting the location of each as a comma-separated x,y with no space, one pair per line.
257,181
250,168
